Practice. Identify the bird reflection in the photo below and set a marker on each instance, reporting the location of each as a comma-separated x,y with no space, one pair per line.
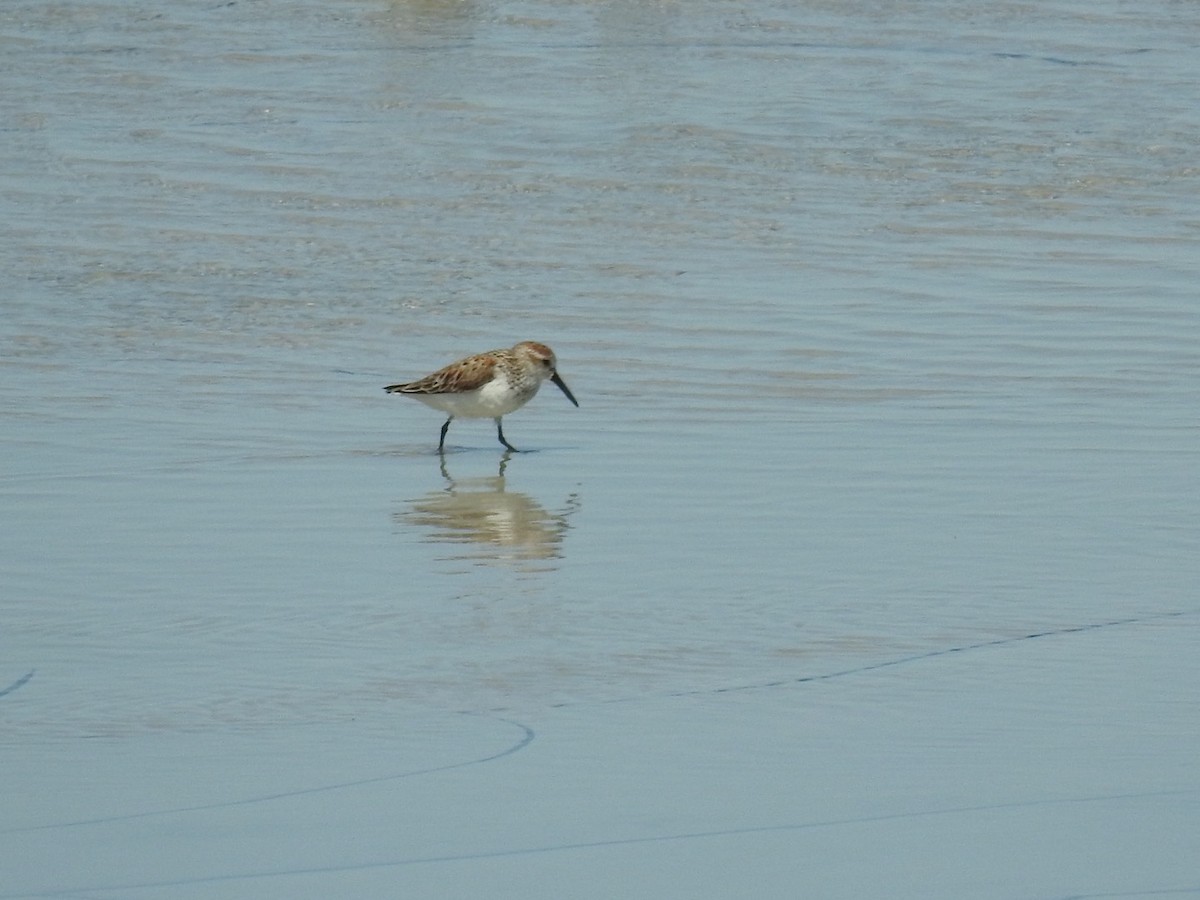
492,525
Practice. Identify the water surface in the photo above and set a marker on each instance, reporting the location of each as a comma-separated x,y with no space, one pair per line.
866,566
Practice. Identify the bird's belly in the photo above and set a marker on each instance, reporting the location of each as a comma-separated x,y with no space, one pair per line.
488,402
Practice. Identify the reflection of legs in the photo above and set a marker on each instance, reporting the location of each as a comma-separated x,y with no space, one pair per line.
500,432
445,428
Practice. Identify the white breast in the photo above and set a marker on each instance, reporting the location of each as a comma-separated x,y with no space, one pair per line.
497,398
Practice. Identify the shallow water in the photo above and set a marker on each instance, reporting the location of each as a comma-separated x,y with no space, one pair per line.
872,544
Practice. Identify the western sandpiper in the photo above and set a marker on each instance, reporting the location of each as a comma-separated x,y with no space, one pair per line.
487,385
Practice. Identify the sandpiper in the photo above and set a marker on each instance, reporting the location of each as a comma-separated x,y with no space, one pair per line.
487,385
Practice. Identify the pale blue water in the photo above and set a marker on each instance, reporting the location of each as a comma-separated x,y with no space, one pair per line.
866,567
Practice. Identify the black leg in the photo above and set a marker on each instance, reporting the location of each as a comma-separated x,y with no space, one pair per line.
445,428
500,432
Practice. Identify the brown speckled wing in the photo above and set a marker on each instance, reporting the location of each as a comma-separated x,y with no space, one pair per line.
457,378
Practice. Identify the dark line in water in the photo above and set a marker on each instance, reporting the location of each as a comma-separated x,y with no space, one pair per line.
934,654
1191,891
621,842
888,663
20,682
526,739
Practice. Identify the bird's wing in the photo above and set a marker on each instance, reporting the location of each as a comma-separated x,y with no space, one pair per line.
457,378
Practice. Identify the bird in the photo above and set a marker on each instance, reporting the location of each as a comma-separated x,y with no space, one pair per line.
487,385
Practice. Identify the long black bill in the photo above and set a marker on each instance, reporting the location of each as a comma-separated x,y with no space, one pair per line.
562,386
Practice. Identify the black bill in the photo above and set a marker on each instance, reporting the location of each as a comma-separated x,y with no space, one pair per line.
562,386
